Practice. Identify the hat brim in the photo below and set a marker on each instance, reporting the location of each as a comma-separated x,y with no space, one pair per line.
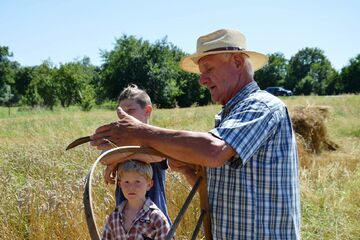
190,63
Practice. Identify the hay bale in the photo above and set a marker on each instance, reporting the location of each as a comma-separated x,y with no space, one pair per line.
304,153
310,123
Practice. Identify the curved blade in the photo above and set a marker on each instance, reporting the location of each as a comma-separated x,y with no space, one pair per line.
78,142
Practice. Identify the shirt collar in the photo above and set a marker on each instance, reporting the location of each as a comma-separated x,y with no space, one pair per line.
147,205
242,94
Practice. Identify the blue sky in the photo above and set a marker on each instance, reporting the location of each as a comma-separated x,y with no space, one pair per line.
65,30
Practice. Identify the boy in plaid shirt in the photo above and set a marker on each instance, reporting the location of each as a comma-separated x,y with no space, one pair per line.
137,217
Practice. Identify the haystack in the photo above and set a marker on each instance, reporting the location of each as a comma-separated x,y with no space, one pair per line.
310,123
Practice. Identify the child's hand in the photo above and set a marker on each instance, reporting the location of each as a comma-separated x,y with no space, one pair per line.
110,173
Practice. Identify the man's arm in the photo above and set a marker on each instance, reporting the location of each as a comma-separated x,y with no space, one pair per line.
197,148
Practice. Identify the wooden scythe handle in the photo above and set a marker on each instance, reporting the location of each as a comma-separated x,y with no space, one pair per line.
204,201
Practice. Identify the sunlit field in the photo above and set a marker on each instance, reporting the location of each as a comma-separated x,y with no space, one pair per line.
42,184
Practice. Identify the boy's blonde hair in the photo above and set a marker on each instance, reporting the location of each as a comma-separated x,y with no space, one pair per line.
132,92
137,166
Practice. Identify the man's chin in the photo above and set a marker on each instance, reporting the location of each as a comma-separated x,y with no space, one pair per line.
215,100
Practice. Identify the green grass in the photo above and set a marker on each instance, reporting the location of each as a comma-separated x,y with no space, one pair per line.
42,184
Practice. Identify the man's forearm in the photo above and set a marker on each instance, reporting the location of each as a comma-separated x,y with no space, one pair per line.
192,147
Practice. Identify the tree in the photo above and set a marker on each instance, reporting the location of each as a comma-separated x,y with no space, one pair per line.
6,95
23,79
305,86
31,97
5,68
350,76
190,90
153,67
125,64
42,88
87,98
312,62
71,79
8,70
333,85
274,73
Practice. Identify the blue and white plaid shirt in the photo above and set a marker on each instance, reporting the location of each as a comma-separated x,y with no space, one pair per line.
255,195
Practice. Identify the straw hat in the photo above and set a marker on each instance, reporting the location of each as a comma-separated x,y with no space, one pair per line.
221,41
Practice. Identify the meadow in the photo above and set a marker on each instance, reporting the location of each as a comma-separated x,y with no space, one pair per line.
41,184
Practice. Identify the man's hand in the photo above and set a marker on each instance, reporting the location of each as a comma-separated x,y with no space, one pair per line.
188,170
121,133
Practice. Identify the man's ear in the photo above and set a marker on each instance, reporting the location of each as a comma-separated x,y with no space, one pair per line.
239,60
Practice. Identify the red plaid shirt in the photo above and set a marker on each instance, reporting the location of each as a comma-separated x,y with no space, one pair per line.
150,223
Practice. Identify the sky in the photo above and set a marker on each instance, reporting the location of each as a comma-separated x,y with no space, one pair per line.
68,30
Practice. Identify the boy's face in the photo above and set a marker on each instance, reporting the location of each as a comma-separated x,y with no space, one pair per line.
134,185
134,109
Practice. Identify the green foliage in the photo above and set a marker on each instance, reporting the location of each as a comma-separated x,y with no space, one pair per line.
309,62
123,65
305,86
32,97
87,98
350,76
332,84
274,73
108,104
23,79
71,79
153,67
8,71
44,85
5,94
161,81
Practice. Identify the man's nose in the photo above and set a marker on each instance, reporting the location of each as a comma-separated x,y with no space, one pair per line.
203,80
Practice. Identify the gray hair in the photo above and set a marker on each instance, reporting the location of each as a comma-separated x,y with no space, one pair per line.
247,62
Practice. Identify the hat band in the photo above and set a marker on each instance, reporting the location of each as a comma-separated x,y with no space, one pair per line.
225,49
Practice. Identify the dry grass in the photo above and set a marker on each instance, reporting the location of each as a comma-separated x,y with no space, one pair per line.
42,185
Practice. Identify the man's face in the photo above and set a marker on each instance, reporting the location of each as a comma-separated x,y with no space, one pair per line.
134,109
134,185
220,77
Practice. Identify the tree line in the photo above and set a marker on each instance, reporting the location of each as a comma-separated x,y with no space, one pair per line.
154,67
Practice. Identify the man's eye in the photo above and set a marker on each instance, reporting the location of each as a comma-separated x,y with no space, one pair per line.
209,70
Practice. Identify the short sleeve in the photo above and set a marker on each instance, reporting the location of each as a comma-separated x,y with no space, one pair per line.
246,128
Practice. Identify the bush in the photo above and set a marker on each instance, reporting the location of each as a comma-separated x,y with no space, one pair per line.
87,98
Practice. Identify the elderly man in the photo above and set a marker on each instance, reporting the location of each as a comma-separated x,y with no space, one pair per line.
250,155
